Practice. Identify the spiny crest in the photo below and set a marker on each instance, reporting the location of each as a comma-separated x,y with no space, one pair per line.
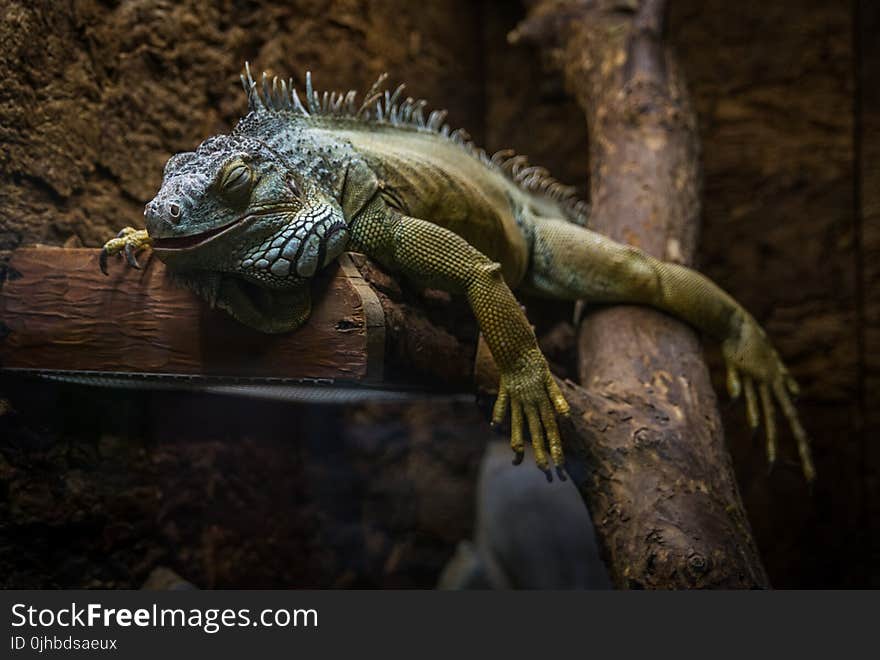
382,106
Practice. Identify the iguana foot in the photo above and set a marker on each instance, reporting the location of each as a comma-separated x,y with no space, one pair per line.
753,363
529,390
129,241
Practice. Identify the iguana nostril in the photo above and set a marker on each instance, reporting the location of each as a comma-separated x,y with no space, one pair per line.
174,210
151,210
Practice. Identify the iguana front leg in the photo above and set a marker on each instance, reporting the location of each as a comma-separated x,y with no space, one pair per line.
128,241
438,257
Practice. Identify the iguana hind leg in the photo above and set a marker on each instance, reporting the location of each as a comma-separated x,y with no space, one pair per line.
577,264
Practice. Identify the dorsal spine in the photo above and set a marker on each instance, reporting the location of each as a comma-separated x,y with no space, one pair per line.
384,107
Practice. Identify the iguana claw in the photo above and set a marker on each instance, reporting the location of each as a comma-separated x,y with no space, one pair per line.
128,242
534,399
752,364
131,255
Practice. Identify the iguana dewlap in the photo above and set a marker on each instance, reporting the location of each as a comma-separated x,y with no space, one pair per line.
249,218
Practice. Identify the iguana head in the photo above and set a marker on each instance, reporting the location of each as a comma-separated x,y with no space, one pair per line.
234,216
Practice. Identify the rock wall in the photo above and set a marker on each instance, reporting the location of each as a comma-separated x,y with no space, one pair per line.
867,22
773,85
96,95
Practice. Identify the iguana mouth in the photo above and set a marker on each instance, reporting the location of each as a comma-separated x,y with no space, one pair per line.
193,241
177,243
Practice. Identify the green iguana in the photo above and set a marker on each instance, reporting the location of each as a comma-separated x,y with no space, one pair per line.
249,218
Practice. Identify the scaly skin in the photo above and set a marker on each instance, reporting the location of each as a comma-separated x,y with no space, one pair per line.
249,218
576,264
436,256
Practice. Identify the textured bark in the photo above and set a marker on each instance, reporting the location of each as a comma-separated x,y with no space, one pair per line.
658,480
59,314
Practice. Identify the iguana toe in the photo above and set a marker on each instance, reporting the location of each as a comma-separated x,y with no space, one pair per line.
129,241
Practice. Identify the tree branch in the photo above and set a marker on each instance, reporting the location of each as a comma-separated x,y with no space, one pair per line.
651,462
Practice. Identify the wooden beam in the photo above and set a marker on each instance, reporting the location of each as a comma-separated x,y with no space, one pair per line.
60,313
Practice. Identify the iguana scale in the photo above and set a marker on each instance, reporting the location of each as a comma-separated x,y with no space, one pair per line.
249,218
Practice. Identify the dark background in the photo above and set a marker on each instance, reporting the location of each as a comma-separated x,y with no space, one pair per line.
100,489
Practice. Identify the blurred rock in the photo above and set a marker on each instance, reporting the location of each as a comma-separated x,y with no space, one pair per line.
528,534
164,579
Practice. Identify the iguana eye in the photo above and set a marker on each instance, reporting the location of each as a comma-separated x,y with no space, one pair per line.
237,182
293,186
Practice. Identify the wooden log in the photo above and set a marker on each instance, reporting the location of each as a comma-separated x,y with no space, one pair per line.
646,441
60,313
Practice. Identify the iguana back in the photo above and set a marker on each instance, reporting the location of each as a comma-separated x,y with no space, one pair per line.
425,169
